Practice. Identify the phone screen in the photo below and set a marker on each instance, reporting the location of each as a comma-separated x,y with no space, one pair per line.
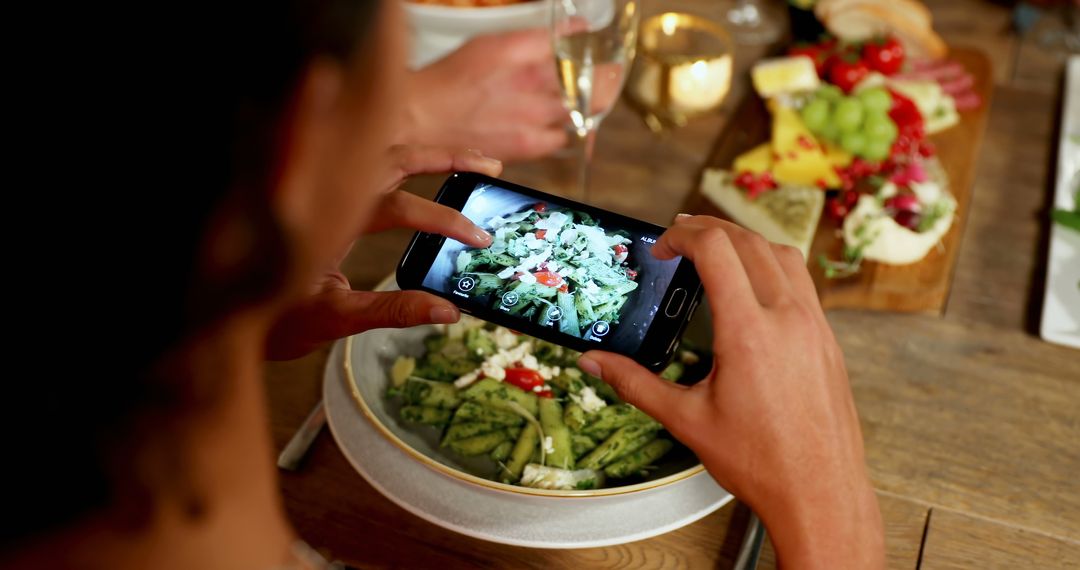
557,267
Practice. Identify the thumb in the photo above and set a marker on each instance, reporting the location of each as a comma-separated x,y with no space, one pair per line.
635,384
365,310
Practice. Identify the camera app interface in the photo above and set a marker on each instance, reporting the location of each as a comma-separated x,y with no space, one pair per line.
556,267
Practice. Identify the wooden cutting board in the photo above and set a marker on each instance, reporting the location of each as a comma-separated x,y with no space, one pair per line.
921,287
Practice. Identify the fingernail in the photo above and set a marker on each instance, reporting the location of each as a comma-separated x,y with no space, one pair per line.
444,315
681,216
482,156
483,236
589,366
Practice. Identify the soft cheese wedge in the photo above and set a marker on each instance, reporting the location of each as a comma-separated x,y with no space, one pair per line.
788,215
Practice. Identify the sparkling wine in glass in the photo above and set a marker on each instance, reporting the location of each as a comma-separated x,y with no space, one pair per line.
594,44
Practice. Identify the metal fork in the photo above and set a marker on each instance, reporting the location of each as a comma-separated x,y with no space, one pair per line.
750,551
301,441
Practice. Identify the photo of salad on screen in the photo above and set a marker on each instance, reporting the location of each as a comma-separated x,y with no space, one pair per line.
552,266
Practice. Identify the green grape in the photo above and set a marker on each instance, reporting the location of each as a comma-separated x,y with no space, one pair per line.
848,115
815,114
880,128
876,149
853,142
830,92
830,132
875,99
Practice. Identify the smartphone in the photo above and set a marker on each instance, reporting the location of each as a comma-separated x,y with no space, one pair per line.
562,271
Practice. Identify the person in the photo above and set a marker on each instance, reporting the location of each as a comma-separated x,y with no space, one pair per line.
153,415
497,93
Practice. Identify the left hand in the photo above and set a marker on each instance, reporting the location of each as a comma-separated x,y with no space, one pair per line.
496,93
334,310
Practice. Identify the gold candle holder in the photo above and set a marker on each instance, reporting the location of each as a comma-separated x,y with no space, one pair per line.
683,69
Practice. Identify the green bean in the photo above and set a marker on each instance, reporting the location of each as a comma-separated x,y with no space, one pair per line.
638,460
495,394
478,444
581,444
473,412
624,440
502,451
425,415
434,394
468,429
522,452
574,416
551,420
610,418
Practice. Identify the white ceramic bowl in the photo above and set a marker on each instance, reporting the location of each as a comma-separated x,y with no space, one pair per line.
439,30
368,358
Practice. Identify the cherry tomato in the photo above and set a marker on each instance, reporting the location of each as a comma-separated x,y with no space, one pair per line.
631,274
847,72
565,288
548,278
524,378
541,234
619,249
817,53
540,207
885,55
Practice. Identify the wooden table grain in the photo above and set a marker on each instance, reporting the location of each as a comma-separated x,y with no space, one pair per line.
972,423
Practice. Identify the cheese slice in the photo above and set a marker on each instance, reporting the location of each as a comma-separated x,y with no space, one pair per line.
788,215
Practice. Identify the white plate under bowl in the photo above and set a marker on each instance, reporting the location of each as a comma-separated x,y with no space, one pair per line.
439,30
521,520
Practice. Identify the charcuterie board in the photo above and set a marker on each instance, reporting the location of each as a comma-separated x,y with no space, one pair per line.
921,287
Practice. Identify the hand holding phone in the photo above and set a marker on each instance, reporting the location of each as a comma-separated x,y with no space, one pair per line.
558,270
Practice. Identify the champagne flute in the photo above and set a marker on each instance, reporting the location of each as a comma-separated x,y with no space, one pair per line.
752,23
594,43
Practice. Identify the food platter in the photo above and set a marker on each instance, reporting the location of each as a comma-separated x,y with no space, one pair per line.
917,287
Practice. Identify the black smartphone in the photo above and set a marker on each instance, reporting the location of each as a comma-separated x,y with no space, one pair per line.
558,270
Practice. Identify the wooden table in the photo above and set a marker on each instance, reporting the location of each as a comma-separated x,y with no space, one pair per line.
972,423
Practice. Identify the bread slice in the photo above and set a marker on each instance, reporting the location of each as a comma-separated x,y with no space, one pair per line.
913,10
788,215
864,21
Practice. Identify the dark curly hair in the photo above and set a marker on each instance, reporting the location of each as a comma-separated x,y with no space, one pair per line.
186,103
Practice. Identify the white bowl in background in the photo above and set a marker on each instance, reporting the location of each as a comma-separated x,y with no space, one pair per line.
438,30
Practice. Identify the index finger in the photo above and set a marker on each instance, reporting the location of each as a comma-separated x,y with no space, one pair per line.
726,283
404,210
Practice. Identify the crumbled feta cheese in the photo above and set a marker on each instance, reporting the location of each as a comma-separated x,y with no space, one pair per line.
568,236
548,372
553,222
492,370
479,352
530,362
504,338
588,400
544,477
505,273
537,389
467,379
532,242
527,278
549,445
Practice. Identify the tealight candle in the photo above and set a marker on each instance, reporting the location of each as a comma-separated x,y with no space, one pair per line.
683,68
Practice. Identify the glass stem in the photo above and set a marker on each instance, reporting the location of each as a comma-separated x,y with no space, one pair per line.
588,142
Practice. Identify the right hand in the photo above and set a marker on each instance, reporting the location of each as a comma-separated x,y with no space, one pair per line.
774,423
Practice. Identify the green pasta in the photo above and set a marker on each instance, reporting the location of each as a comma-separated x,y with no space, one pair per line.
636,462
624,440
425,415
498,395
478,444
521,454
556,434
473,412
